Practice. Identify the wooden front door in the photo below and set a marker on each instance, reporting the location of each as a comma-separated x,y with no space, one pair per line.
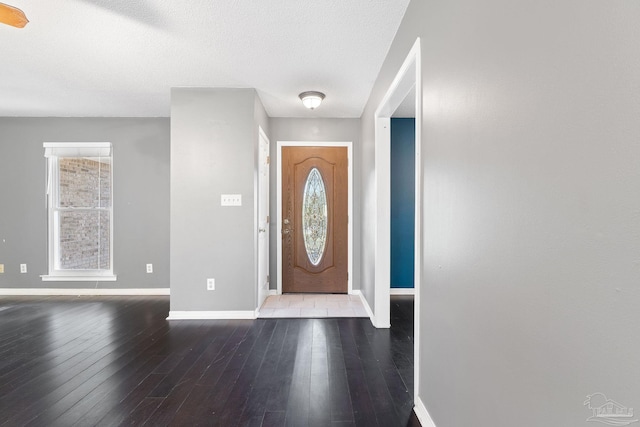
314,219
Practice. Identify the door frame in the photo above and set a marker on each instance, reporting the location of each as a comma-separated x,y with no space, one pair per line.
349,145
408,78
260,298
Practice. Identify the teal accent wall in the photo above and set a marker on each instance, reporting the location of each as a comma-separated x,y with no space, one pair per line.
402,202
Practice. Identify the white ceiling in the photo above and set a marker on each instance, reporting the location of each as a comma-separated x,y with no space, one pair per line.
121,57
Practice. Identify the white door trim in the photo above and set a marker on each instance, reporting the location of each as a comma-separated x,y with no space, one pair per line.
261,293
408,78
280,144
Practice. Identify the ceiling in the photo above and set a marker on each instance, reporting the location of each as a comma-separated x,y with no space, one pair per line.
119,58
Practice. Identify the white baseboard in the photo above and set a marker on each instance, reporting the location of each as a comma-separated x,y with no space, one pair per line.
402,291
82,291
423,414
272,292
373,319
365,304
210,315
47,278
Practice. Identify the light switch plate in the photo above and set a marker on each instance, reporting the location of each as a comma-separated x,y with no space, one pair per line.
149,268
23,268
1,268
231,200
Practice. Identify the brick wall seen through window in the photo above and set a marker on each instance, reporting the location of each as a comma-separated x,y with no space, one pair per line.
84,234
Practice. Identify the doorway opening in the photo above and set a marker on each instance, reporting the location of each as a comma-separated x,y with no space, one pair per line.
404,91
403,160
281,227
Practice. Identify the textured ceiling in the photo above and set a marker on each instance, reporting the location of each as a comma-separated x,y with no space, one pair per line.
121,57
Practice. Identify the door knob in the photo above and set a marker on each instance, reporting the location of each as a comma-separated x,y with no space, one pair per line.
286,220
261,230
285,231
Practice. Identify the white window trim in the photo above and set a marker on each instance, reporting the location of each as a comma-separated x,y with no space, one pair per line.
54,150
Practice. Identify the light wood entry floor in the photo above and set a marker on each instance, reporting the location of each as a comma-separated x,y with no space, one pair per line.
312,306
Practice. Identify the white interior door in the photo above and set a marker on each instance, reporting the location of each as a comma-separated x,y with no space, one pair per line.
263,219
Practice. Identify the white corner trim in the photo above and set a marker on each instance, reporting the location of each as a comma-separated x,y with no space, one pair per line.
402,291
365,305
82,291
210,315
422,414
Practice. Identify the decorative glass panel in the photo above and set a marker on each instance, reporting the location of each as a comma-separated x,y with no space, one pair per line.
314,216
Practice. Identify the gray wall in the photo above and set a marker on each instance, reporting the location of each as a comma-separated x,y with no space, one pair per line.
214,143
295,129
531,206
140,189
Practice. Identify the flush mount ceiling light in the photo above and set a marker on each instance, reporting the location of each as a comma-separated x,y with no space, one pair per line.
311,99
12,16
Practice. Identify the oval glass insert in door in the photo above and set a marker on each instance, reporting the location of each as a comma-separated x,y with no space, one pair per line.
314,216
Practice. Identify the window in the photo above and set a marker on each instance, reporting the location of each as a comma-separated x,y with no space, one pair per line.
80,210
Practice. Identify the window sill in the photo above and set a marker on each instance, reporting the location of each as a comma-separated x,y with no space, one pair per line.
112,278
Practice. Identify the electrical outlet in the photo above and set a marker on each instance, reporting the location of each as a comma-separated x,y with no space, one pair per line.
211,284
23,268
149,268
1,268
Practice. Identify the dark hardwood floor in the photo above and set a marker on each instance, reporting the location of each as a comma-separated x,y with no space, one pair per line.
111,361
